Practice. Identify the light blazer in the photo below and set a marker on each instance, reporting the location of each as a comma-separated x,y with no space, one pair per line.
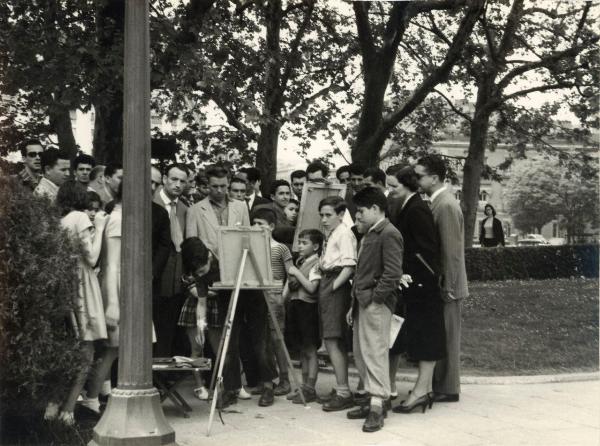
202,221
170,283
449,222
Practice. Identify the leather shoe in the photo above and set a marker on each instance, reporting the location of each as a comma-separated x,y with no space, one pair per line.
445,397
362,412
283,388
374,422
226,399
267,398
338,403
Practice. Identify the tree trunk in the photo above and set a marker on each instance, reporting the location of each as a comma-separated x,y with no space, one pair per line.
266,156
473,168
60,123
108,131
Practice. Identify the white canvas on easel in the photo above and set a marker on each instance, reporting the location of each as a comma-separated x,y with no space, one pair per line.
312,194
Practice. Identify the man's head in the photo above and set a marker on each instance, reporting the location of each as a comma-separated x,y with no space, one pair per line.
264,218
343,174
97,175
175,180
331,210
113,175
252,176
357,176
56,165
218,184
298,178
82,167
431,172
281,193
155,178
237,189
375,177
370,207
31,151
316,171
310,241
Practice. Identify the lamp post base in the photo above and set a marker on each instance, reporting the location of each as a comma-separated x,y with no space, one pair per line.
133,417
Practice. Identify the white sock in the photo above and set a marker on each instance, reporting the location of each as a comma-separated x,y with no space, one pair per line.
376,401
92,404
106,388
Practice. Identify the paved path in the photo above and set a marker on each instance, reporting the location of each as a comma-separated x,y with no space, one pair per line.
561,414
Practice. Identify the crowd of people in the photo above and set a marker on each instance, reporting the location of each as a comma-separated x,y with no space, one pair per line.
390,250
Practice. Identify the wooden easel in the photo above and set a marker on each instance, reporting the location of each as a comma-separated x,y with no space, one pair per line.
217,376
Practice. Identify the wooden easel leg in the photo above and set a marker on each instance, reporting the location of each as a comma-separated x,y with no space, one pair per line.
291,372
227,333
220,350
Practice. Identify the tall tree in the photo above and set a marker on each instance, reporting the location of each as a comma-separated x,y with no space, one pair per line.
380,40
519,48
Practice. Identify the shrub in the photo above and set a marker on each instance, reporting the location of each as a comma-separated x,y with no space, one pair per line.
532,262
38,283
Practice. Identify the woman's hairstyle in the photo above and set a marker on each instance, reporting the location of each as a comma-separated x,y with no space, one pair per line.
194,254
72,196
407,177
93,197
491,207
294,201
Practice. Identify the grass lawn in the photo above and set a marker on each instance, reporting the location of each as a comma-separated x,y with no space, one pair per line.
530,327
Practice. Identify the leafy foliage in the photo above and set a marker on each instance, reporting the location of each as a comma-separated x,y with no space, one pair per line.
38,284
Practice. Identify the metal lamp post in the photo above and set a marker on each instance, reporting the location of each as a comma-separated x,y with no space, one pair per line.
134,415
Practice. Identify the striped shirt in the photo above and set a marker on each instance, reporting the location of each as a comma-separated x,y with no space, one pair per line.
279,255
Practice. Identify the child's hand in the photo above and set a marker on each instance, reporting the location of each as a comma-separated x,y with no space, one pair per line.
293,284
293,271
349,319
100,220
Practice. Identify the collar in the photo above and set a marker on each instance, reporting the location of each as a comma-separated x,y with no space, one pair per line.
166,198
310,257
377,227
437,192
48,183
407,199
224,205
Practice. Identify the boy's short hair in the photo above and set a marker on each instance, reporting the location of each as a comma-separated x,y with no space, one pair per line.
316,166
264,213
297,174
344,169
356,169
215,172
50,157
369,196
277,184
434,165
376,174
315,236
181,166
84,158
194,254
238,180
336,202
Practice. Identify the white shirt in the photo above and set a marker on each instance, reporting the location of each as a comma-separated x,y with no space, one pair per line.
436,193
340,248
250,199
170,209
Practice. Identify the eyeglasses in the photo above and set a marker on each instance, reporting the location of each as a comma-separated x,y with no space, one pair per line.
34,154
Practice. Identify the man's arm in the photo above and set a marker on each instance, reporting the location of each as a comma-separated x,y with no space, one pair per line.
450,229
191,227
392,246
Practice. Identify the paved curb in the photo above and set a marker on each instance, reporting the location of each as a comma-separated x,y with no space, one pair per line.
498,380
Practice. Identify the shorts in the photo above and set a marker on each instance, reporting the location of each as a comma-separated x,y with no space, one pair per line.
188,318
333,307
303,324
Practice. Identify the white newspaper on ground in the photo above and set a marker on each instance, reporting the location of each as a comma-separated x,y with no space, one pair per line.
395,327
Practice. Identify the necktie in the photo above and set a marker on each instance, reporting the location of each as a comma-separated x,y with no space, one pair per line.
176,235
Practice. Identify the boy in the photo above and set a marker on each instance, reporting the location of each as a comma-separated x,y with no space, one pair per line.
303,312
291,211
281,261
377,278
337,265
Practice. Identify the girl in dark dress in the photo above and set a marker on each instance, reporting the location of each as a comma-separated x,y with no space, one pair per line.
422,335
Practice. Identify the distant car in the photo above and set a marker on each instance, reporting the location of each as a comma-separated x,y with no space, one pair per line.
539,237
557,241
530,242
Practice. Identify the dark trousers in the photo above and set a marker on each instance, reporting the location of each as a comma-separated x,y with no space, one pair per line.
252,309
170,339
249,364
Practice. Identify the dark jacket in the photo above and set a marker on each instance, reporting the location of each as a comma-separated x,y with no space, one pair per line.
161,243
415,223
379,266
496,229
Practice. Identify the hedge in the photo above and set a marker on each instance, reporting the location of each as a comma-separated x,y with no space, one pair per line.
39,356
532,262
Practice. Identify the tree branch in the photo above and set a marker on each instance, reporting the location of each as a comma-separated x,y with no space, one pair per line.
581,23
365,36
539,88
453,107
433,5
232,119
295,45
439,74
510,29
